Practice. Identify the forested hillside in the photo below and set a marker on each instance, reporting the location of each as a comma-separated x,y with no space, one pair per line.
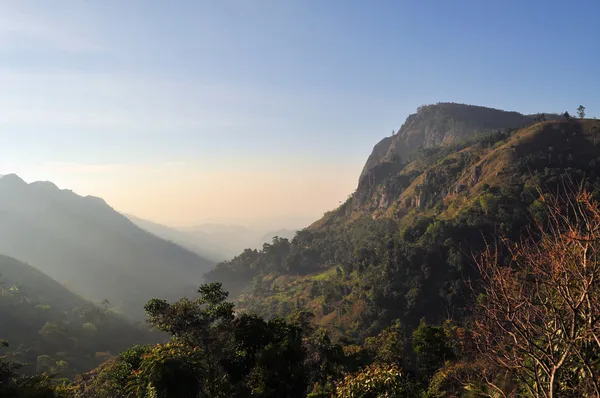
402,248
50,329
97,252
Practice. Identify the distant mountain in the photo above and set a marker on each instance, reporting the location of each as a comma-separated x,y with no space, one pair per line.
187,240
97,252
281,233
212,240
50,328
226,239
232,239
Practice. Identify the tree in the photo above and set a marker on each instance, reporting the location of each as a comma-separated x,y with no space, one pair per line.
538,317
581,111
431,349
13,385
376,380
489,203
193,322
216,352
566,115
388,346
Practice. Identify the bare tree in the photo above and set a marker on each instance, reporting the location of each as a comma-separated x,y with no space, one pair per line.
538,318
581,111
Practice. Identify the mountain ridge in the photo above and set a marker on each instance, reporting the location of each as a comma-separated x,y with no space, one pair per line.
96,250
440,123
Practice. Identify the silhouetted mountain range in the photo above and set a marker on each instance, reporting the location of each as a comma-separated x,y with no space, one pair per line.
215,241
85,244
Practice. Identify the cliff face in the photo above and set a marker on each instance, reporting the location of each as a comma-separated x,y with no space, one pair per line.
441,123
430,127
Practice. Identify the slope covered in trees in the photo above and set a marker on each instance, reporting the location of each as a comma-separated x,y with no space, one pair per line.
85,244
405,252
534,332
50,329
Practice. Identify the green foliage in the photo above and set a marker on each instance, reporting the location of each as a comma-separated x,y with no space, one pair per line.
190,321
389,346
14,385
172,370
59,334
213,353
431,349
489,203
376,381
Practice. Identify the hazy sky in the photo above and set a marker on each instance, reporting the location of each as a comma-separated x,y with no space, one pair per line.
186,111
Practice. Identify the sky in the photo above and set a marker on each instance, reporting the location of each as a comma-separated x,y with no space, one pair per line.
264,111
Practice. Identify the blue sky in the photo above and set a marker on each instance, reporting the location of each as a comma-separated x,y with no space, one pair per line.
289,95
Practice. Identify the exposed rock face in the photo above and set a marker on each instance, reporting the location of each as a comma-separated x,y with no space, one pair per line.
368,185
433,125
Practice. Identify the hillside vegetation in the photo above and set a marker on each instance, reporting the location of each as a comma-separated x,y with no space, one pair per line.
404,252
52,330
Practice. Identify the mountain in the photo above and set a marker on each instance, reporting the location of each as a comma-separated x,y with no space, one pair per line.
442,123
399,249
84,243
232,239
217,242
225,239
50,328
179,237
281,233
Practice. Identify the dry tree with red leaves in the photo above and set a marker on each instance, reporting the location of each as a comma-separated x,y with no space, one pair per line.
538,317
